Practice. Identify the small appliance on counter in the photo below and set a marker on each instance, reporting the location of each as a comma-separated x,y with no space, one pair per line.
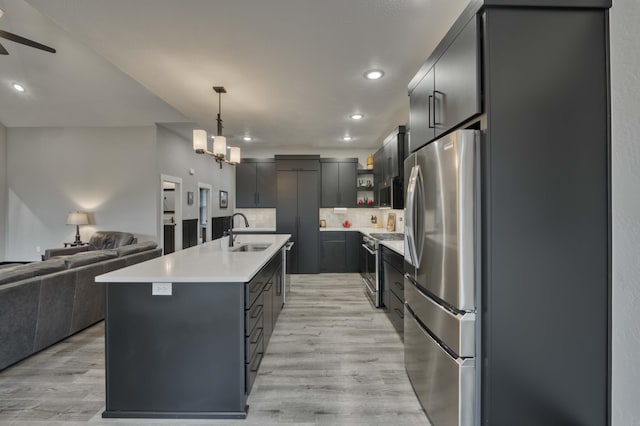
323,223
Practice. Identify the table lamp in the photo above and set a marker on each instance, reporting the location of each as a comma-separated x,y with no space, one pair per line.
77,219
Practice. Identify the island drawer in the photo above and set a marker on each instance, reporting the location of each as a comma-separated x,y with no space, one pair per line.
254,317
251,368
254,288
254,344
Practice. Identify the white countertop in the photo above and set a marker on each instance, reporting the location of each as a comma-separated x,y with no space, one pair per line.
205,263
245,230
397,246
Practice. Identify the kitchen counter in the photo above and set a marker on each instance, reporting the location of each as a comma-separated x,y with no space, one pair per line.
253,230
185,333
397,246
211,262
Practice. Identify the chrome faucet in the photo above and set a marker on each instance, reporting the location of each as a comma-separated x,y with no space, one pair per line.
231,236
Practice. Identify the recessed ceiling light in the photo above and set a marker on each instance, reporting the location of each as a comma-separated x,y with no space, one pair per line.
18,87
346,138
357,116
247,138
373,74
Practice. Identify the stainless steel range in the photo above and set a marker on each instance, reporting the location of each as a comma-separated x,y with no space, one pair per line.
371,264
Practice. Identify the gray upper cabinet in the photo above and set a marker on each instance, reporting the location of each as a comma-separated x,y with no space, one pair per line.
339,178
420,116
449,92
256,183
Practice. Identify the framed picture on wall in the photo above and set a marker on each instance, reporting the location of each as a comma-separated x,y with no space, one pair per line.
224,199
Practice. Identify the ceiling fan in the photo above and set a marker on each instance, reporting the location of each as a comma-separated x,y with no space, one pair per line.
18,39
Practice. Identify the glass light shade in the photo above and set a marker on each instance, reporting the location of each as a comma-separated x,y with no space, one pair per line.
199,140
234,155
77,218
220,146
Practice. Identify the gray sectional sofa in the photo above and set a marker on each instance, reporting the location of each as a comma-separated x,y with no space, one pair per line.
44,302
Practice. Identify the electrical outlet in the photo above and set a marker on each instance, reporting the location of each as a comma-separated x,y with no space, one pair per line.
161,289
37,249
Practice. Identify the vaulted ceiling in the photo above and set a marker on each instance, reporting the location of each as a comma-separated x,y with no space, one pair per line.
293,69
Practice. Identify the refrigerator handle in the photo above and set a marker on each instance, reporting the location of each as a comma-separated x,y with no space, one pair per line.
410,216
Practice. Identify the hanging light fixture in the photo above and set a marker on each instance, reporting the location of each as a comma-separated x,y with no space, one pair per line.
219,142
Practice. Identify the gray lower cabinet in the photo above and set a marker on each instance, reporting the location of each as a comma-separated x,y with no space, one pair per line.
339,251
393,288
194,354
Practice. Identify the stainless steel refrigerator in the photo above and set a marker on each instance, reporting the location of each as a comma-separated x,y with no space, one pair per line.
441,248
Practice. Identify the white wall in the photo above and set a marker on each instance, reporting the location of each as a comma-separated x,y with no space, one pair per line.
110,172
3,189
625,103
176,157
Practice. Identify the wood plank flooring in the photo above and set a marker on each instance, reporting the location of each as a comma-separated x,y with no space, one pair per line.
332,359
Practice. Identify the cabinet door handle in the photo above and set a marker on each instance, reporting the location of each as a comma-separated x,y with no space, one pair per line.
399,312
429,110
399,285
436,92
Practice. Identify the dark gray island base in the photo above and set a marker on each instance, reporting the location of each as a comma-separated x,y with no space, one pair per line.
193,354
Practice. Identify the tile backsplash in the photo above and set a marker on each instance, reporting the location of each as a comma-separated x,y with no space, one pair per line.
359,217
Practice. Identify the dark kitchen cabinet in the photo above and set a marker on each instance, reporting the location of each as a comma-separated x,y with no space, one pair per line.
169,238
269,319
338,187
449,93
389,169
421,125
339,251
353,251
256,183
545,126
297,210
393,288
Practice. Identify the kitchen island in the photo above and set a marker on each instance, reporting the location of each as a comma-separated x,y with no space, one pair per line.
185,333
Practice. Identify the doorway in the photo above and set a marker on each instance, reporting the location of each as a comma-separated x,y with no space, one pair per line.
171,208
204,212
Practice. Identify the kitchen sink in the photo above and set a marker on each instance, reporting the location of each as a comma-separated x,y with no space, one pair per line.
252,247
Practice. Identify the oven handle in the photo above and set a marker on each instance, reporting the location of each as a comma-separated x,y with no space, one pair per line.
366,247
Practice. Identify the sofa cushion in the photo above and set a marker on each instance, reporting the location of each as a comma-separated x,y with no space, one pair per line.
102,240
136,248
89,257
15,273
46,267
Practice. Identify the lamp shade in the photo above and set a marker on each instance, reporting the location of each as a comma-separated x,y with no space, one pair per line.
219,146
234,155
77,218
199,141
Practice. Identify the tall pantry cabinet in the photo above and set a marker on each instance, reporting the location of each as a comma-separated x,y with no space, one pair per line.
297,209
536,86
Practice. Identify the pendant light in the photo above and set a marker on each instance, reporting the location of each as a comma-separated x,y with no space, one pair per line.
219,142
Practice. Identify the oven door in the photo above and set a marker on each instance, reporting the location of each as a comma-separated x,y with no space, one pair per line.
370,274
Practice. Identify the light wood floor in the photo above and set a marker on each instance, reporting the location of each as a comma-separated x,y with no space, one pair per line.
332,359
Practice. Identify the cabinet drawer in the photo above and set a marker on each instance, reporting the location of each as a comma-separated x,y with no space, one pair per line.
254,344
395,283
396,314
253,289
254,317
251,368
